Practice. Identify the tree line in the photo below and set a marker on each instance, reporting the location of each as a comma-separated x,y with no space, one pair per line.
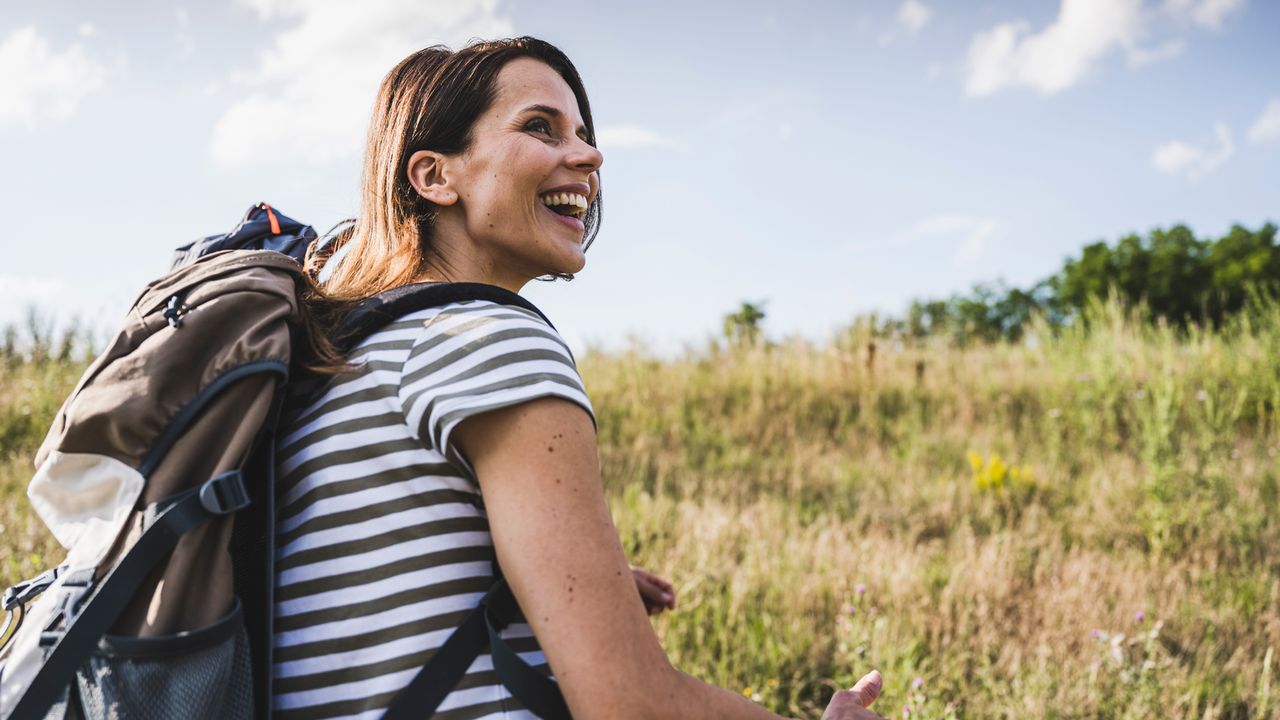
1170,274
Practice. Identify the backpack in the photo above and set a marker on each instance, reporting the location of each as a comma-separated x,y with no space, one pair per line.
158,477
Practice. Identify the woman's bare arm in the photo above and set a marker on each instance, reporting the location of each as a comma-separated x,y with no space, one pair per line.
540,476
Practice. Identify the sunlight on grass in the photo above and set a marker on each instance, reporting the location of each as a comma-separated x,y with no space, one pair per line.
1083,524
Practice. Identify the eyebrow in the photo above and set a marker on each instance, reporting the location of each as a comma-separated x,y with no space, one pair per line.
553,112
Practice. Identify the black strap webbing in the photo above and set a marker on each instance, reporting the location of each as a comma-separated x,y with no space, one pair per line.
498,608
442,673
374,313
536,691
187,511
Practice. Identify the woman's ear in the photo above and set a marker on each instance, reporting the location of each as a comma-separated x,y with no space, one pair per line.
428,177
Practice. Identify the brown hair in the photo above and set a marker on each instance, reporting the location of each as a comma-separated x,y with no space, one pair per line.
429,101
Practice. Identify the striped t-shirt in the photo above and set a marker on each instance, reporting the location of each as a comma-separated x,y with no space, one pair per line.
383,544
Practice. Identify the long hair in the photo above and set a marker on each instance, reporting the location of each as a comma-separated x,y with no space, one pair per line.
429,101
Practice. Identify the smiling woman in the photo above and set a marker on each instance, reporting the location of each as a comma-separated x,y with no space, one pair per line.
461,439
507,207
454,138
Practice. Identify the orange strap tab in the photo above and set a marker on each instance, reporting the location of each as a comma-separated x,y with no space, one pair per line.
275,224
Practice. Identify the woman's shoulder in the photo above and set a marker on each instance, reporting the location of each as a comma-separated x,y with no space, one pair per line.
470,326
474,357
487,310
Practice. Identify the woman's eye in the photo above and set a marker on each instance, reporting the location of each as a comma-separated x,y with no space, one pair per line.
539,125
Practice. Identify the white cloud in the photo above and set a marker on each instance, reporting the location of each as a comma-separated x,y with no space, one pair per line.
1205,13
1267,127
971,234
310,95
914,15
1141,56
86,29
37,82
1050,60
1195,160
1057,57
627,136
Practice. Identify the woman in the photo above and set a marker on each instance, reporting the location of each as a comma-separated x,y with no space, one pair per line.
465,429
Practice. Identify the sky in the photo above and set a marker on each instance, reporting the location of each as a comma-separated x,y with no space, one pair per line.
823,158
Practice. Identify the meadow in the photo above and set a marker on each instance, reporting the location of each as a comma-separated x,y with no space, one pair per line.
1082,524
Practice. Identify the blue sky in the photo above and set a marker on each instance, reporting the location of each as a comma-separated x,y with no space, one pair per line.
827,158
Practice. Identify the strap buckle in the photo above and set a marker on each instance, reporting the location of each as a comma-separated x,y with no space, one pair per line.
23,592
74,592
224,494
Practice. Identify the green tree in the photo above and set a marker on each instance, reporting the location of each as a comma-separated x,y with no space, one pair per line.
1239,261
1170,272
743,327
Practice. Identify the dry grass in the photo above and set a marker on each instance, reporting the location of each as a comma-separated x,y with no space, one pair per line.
771,484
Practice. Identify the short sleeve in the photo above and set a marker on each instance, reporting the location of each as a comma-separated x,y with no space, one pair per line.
477,356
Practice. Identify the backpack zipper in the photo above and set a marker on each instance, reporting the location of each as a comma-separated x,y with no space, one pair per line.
174,309
271,217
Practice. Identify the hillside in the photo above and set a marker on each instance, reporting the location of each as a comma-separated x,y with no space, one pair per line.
1082,524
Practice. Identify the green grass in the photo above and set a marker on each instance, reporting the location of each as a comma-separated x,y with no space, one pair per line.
1141,475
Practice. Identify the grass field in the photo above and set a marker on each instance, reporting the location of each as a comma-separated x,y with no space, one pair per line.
1084,525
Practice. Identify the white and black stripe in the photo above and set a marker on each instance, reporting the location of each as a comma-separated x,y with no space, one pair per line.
383,545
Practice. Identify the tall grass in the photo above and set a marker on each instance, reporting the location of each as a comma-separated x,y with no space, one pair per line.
38,368
1080,525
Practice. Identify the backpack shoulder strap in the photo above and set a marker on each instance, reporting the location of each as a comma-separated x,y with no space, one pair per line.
446,668
373,314
483,625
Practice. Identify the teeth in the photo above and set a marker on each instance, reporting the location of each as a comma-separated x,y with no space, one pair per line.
575,199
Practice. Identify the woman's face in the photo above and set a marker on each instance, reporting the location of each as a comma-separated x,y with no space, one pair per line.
529,148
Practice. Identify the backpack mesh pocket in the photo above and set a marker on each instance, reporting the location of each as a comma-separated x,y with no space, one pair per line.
203,674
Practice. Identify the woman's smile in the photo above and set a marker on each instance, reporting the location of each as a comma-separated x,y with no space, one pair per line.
532,144
567,220
569,204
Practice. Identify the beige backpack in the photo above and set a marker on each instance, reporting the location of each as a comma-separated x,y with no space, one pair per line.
157,476
139,478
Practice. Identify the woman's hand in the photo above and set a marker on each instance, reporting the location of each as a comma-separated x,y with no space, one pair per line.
657,593
852,704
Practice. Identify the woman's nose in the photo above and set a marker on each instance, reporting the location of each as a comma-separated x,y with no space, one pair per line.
585,156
